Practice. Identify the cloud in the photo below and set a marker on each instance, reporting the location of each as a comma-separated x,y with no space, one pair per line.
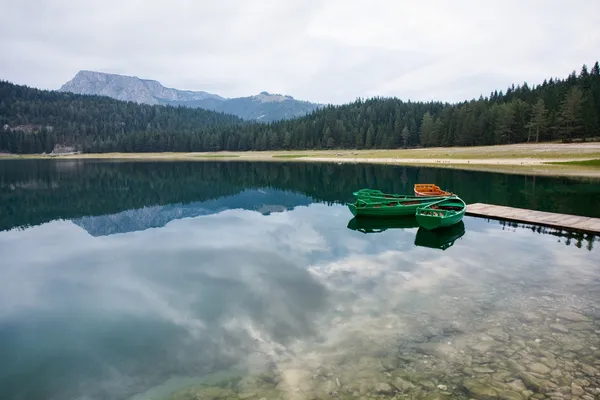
330,51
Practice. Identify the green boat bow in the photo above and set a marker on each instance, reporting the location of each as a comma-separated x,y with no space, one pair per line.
441,213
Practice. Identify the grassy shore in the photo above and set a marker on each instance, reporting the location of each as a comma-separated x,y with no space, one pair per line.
577,159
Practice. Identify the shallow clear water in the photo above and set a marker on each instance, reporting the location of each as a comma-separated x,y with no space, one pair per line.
185,281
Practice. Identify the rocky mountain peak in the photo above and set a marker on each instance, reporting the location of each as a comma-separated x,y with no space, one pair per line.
264,106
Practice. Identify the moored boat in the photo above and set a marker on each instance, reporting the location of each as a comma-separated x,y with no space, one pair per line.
365,207
441,213
429,189
374,194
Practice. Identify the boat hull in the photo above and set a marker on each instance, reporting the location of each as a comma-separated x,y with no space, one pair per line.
378,195
427,189
441,214
398,208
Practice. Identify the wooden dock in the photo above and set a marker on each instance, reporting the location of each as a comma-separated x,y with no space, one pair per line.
561,221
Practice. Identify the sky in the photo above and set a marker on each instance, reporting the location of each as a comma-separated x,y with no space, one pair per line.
323,51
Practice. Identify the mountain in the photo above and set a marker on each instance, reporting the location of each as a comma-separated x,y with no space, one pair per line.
263,107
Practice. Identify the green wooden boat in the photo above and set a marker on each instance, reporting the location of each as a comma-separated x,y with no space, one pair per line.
442,238
364,207
374,194
442,213
377,225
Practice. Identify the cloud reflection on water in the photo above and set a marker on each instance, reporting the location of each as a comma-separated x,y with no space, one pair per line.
204,293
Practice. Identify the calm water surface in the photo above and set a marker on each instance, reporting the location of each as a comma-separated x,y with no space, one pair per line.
233,280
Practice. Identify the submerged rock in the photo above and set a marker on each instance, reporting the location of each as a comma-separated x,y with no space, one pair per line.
559,328
580,326
536,384
483,370
436,396
498,334
517,385
404,385
572,316
480,390
384,388
588,370
576,390
510,395
539,368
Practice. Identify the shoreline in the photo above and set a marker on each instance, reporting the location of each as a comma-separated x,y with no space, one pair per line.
524,159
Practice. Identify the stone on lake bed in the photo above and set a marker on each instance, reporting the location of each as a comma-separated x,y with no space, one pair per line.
536,384
435,396
384,388
539,368
580,326
588,370
517,385
577,390
498,334
480,390
404,384
559,328
510,395
572,316
483,370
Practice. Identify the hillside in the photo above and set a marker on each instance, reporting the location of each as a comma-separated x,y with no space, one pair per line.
263,107
33,120
36,121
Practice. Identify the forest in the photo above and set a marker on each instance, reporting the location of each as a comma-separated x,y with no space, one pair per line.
39,121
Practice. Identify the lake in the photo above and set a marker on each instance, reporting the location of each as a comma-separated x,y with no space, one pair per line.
235,280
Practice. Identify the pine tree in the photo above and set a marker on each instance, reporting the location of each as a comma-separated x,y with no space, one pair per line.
538,123
427,130
595,69
398,127
504,124
570,118
328,139
405,136
588,114
370,137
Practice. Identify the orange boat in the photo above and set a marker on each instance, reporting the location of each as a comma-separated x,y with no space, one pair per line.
429,189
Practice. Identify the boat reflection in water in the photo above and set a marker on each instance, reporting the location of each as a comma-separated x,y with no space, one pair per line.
438,239
376,225
442,238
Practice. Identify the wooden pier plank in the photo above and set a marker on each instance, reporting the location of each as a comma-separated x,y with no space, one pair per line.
562,221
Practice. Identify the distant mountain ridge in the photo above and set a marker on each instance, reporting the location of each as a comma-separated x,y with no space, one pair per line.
262,107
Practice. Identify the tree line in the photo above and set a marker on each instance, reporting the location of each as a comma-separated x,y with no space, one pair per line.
35,121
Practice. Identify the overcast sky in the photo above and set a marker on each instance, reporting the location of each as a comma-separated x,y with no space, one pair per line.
325,51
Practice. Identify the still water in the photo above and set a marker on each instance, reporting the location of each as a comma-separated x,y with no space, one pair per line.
216,280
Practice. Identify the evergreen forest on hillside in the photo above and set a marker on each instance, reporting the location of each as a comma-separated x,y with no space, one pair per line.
36,121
